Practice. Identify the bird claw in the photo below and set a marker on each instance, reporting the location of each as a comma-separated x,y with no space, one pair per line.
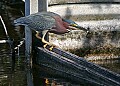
45,45
51,46
46,81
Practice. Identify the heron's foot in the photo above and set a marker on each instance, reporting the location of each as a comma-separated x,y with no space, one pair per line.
51,46
46,81
45,45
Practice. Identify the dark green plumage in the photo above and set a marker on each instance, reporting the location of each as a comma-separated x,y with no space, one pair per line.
36,21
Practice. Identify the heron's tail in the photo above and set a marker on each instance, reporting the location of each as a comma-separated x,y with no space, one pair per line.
20,21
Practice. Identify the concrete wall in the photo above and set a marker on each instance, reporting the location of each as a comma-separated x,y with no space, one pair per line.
85,9
89,14
102,18
79,1
78,39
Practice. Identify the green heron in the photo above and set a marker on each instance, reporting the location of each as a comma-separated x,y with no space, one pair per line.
46,22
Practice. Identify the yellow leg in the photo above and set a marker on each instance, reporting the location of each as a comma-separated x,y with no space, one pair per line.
37,35
51,48
44,41
45,45
46,81
43,38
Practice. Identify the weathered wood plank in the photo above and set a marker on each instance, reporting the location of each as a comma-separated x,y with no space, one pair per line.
61,59
61,67
86,64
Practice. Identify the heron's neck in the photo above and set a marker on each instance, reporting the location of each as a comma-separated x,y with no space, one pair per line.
60,28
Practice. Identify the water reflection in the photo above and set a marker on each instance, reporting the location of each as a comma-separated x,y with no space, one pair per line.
110,64
10,75
41,78
113,65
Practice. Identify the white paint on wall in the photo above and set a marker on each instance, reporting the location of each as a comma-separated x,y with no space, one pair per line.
85,9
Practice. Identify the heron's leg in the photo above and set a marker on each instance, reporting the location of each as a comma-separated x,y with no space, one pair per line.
47,43
37,35
46,81
43,37
43,40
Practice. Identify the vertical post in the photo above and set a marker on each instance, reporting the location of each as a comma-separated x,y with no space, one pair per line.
28,33
28,46
31,6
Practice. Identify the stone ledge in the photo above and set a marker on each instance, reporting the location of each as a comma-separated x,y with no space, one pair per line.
77,39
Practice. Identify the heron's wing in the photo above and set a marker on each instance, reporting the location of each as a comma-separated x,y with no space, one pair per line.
37,22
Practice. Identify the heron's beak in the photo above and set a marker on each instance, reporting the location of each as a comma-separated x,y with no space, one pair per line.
77,27
74,25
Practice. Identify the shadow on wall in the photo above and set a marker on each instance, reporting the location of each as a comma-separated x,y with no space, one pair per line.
68,13
102,1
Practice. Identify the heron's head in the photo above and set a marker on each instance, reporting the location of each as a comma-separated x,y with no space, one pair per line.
70,22
73,25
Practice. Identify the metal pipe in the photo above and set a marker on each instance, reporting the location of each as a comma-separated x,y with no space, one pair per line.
4,26
3,41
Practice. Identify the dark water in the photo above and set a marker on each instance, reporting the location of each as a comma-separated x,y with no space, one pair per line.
9,77
113,65
10,74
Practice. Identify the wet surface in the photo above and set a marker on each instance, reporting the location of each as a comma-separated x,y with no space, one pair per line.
113,65
11,75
